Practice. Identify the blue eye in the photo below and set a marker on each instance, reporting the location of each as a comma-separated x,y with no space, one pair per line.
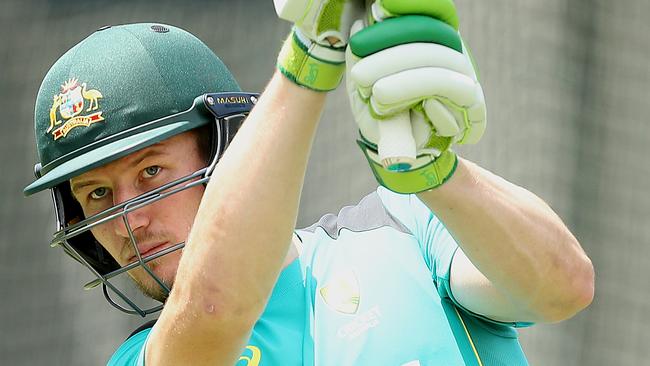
99,193
151,171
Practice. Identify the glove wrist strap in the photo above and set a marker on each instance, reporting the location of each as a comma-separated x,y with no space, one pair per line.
427,176
310,64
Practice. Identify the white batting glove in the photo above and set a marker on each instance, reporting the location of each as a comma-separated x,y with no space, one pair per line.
414,92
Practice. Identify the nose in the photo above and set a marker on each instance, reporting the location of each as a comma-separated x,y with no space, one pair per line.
137,219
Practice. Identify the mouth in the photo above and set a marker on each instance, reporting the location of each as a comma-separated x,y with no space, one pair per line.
147,250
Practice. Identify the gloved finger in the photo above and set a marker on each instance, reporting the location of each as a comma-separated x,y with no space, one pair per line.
428,143
350,61
477,115
444,122
409,56
474,133
477,111
356,26
336,21
421,128
406,88
327,22
366,122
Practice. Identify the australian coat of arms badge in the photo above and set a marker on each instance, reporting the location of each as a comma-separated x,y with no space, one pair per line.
70,107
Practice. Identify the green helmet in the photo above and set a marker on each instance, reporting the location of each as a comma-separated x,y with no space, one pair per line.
118,91
118,79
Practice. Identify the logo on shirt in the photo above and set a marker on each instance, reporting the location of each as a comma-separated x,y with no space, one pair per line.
341,293
250,360
361,324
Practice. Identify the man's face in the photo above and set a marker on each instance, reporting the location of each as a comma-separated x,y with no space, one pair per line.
155,226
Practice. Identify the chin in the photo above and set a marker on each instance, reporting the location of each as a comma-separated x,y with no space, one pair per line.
165,269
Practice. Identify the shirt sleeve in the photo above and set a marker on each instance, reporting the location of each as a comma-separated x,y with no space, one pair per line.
436,243
131,352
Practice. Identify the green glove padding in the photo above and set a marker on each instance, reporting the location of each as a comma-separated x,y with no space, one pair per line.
444,10
412,28
430,174
309,64
313,55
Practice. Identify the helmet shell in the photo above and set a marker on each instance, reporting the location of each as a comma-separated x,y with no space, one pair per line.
117,79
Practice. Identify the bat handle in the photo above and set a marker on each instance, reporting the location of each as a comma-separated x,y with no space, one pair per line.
396,145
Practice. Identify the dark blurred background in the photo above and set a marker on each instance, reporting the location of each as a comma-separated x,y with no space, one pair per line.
567,83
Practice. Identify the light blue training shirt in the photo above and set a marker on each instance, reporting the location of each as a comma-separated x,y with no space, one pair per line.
370,287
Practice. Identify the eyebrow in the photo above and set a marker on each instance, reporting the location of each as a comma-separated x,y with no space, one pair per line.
75,187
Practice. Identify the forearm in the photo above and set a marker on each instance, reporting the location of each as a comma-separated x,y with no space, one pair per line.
244,225
516,241
250,207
